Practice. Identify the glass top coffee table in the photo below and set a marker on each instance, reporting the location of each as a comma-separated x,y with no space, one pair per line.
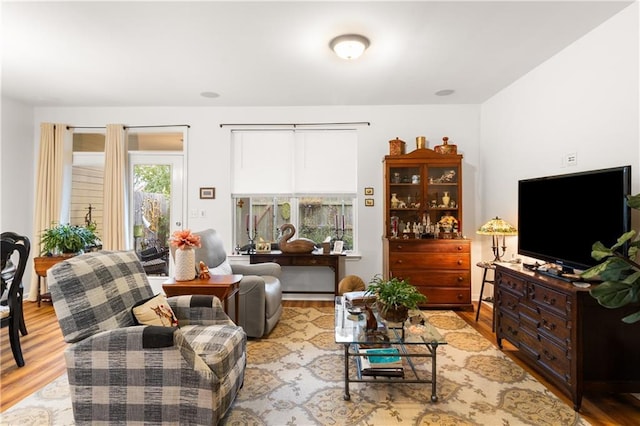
387,352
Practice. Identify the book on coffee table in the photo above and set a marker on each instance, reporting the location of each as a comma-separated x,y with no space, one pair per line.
386,363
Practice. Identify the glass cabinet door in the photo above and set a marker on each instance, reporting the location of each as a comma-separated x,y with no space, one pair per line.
443,195
407,198
422,199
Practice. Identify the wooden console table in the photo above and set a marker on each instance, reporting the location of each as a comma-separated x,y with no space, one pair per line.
221,286
333,261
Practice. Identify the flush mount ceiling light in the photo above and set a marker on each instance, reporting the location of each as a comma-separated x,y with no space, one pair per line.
349,46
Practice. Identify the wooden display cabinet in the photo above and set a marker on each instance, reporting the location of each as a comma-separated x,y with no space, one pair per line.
420,189
427,186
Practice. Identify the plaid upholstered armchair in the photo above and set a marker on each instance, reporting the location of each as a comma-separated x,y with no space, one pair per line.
122,371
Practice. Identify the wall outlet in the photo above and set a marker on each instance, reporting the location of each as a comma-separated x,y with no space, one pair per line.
193,213
202,213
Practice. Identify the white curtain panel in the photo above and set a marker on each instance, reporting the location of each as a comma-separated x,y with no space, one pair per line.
115,189
48,187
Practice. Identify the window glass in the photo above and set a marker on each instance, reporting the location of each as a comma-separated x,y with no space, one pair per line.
315,217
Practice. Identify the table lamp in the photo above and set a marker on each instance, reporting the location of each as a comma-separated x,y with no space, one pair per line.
497,227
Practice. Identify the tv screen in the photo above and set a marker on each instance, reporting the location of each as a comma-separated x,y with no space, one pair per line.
560,217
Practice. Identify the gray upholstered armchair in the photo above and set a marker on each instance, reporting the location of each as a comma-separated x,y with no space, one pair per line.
124,372
260,289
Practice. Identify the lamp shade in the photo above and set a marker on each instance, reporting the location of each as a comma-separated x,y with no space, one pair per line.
349,46
497,226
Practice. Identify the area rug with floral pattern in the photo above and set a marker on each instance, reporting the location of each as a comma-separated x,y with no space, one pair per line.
295,376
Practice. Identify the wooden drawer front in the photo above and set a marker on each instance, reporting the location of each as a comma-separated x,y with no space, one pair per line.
507,301
514,284
555,327
427,261
435,278
550,299
529,341
445,295
429,246
316,260
264,258
555,359
529,318
508,328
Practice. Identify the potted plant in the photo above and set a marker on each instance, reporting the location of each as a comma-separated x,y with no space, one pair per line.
394,297
620,274
67,239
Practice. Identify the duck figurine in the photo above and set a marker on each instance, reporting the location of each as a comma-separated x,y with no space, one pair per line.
300,245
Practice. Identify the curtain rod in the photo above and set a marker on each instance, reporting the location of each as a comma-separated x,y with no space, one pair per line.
349,123
130,127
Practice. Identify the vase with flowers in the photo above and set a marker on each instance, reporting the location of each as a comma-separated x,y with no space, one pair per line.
184,254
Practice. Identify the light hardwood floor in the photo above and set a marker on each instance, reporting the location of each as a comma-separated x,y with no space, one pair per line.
43,350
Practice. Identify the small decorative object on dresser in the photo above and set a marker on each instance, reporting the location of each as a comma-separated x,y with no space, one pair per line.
396,147
445,148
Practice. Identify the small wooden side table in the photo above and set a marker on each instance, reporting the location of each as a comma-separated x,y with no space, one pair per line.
222,286
486,266
41,265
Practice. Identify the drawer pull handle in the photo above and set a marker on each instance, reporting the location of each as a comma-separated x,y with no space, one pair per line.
460,279
314,261
459,248
400,247
549,301
512,331
549,356
511,306
548,326
459,262
399,261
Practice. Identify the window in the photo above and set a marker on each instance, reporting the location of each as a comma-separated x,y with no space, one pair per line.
311,184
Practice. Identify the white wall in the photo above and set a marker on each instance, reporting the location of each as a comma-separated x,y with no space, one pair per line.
584,100
209,153
17,173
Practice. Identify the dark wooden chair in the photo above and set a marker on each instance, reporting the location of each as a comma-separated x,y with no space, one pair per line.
12,272
155,261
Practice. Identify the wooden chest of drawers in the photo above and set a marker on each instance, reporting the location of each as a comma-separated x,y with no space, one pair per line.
565,335
440,269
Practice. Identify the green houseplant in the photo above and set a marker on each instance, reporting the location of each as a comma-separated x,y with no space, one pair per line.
67,239
620,274
395,297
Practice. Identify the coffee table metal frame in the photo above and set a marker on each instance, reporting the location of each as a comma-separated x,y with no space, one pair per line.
349,331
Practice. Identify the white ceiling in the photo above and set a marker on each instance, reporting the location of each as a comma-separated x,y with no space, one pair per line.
276,53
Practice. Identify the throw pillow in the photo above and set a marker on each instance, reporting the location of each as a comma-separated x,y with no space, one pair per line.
155,311
222,269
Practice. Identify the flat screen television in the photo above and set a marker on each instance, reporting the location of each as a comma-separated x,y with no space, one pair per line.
560,217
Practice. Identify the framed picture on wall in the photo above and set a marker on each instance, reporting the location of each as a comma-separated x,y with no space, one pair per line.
207,193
